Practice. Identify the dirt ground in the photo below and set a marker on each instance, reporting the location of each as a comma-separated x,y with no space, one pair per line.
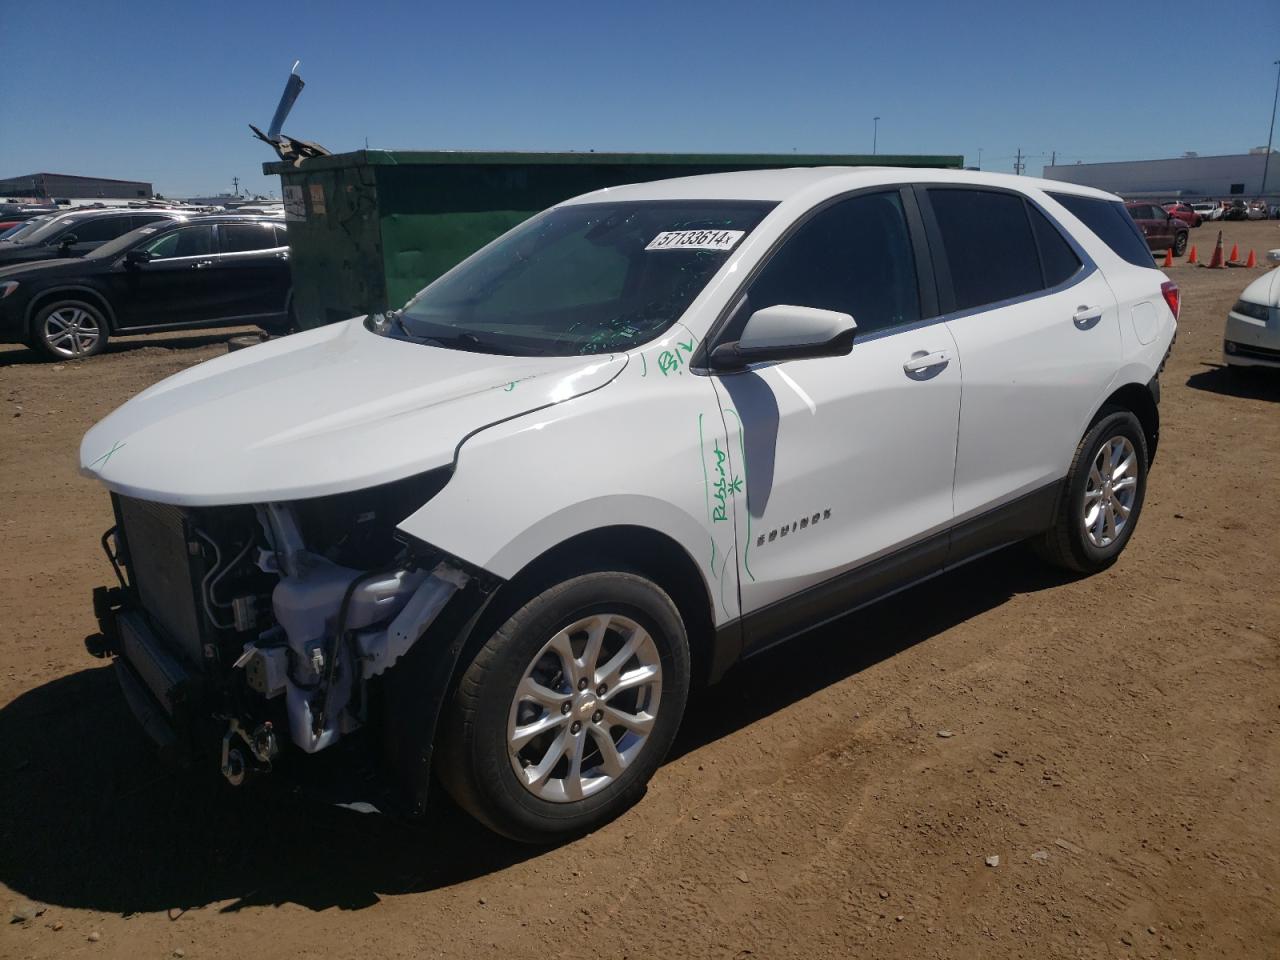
1115,741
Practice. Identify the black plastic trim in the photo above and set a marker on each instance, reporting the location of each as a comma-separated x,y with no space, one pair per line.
1020,518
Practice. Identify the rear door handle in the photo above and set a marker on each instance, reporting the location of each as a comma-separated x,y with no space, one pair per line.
1085,316
921,361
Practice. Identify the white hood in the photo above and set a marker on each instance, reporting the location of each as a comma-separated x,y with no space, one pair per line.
330,410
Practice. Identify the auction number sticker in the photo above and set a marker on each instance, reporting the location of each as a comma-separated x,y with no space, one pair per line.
696,240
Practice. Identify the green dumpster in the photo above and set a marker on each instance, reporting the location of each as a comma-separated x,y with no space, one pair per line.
369,229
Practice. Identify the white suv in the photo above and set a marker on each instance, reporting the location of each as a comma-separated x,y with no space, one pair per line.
645,434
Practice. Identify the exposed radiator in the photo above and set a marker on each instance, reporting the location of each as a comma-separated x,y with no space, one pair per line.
165,573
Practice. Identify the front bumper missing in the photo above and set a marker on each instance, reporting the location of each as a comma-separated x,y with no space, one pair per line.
159,691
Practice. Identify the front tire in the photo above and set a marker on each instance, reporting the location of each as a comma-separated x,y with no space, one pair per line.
568,709
69,330
1102,498
1180,244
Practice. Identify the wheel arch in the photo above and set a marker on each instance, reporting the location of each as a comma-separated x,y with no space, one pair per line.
638,549
85,292
1140,400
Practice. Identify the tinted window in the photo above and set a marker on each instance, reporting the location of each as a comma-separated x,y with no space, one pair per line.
1114,227
183,242
243,237
1057,259
989,245
855,257
100,229
142,219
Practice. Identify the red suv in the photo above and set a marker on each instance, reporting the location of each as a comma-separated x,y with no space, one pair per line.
1184,213
1160,229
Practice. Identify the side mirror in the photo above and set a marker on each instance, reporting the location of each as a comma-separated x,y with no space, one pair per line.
137,257
786,332
66,240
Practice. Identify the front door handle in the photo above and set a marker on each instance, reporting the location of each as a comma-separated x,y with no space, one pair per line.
921,361
1086,316
202,264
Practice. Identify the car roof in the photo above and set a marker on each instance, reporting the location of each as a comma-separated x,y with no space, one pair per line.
108,211
783,184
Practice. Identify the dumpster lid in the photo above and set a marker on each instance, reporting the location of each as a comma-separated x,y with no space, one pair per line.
741,161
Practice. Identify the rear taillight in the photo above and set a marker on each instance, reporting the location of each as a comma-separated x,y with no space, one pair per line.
1169,290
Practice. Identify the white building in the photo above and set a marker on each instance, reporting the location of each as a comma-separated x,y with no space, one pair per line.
1235,175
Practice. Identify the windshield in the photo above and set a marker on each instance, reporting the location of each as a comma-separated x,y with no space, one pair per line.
54,225
582,279
21,231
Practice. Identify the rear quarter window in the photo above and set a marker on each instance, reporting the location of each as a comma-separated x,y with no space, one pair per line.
1057,259
1111,222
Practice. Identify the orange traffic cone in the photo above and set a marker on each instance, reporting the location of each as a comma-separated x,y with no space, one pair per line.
1252,261
1193,257
1235,252
1215,262
1168,257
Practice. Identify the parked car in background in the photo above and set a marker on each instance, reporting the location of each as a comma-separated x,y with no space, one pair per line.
76,232
24,228
1236,210
1252,336
323,537
1209,209
15,213
1184,212
1258,210
1161,230
169,275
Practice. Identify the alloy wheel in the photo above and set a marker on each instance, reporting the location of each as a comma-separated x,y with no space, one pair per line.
71,331
1110,491
585,707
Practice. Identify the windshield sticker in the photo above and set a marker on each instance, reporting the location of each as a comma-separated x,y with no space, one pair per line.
696,240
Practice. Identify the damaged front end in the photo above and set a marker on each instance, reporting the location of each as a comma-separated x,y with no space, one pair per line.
251,634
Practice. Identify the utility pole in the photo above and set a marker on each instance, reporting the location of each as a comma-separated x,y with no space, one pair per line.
1017,162
875,134
1266,163
1053,161
235,185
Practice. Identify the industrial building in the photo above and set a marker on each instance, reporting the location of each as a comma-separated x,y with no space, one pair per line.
1234,175
49,186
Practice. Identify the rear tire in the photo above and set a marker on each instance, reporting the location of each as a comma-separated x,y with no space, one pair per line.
69,330
568,709
1102,497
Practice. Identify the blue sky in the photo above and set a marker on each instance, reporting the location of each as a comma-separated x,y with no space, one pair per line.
162,91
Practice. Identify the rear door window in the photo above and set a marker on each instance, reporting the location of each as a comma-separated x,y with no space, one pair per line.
989,245
1113,225
246,237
